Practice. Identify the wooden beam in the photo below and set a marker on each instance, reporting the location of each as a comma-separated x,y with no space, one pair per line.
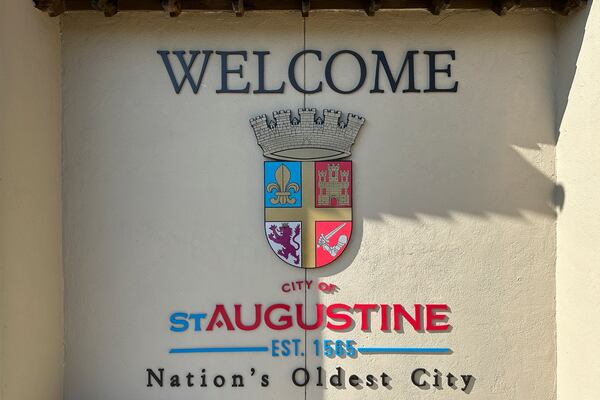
503,7
566,7
52,7
238,7
559,6
437,6
173,7
108,7
305,8
372,7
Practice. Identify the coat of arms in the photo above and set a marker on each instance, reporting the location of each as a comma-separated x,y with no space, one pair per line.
307,184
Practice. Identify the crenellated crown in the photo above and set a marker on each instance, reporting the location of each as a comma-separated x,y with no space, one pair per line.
307,137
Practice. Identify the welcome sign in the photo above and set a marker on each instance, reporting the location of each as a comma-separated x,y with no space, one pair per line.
228,67
314,211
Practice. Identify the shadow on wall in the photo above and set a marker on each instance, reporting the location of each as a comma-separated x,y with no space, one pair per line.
489,157
446,173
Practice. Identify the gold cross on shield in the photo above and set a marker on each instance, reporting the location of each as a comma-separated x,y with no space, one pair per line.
308,214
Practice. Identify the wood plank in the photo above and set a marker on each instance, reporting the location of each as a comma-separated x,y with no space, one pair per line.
562,7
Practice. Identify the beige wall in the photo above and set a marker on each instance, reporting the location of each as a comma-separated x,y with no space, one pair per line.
453,201
31,306
31,351
578,236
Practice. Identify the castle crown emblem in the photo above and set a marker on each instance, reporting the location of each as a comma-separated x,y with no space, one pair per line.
333,183
307,138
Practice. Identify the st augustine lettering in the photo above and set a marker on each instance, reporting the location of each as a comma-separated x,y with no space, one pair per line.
336,317
191,66
338,378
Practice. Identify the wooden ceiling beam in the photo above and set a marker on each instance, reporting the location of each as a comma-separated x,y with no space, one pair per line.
108,7
53,7
566,7
503,7
372,7
305,8
437,6
174,7
238,7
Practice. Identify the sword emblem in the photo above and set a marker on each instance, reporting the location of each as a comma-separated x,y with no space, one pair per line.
324,241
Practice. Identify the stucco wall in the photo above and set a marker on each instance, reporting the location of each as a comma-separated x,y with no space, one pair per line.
31,302
449,211
578,163
453,201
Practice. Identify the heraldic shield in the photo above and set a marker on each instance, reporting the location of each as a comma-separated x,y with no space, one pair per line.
307,184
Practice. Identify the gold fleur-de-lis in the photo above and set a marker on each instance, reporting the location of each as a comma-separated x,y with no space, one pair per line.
282,188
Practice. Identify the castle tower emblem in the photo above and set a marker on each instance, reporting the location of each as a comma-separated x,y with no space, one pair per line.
333,186
307,183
